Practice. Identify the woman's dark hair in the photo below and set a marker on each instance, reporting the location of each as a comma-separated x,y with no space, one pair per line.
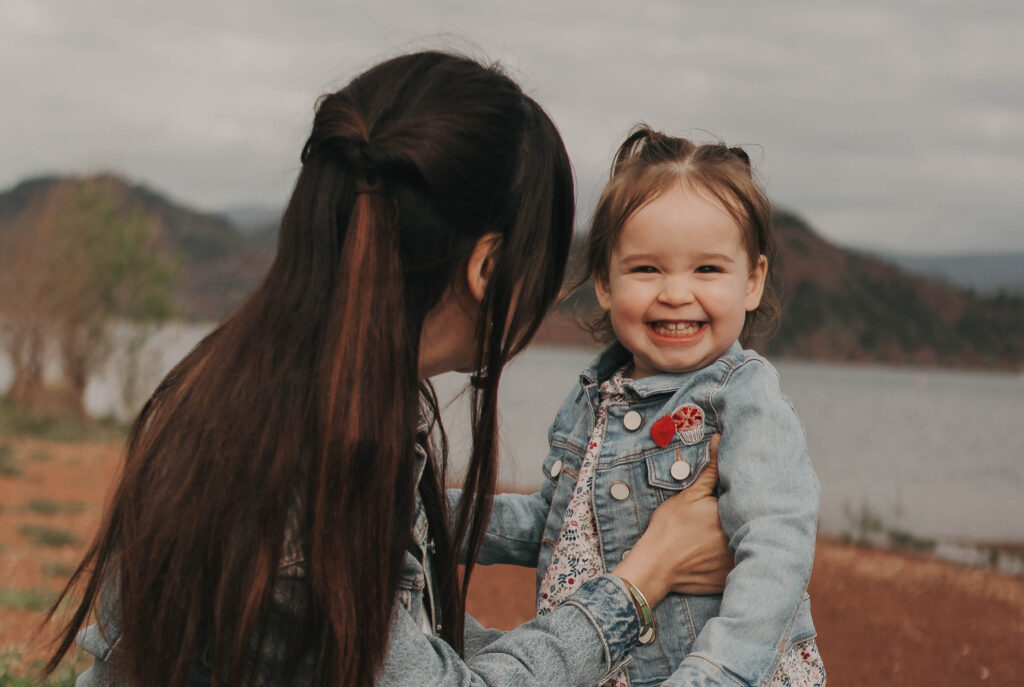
646,164
302,406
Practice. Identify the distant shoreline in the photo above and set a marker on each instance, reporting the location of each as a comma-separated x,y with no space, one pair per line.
560,332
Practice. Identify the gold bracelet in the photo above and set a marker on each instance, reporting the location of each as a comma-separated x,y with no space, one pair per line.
644,612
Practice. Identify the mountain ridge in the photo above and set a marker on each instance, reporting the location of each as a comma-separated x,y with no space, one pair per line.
839,304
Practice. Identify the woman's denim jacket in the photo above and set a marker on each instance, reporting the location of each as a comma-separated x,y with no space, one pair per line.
768,504
582,643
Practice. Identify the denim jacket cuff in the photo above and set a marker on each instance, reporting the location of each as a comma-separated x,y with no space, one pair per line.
608,606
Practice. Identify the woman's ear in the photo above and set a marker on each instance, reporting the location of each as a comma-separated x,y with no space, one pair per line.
481,264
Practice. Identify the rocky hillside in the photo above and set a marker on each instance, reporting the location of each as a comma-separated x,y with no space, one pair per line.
838,304
843,305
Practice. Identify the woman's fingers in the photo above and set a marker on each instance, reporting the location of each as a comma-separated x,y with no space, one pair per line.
684,548
707,557
707,482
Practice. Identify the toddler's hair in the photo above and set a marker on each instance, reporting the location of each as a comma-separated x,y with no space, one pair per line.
646,164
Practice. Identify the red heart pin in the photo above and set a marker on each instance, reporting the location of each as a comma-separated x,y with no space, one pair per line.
662,431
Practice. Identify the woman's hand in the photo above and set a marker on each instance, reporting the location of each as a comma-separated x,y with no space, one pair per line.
684,548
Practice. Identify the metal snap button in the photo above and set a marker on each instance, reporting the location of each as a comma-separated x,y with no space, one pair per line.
632,420
619,491
625,553
556,468
647,637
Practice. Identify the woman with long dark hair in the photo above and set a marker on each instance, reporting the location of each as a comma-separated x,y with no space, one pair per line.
280,518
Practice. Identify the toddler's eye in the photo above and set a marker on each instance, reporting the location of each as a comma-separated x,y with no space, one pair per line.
644,269
708,269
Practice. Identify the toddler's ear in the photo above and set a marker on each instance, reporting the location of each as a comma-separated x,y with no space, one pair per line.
604,294
755,284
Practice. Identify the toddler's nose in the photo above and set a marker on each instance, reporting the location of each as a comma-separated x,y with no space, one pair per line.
675,291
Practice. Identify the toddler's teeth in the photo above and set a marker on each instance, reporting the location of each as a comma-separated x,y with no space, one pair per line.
676,328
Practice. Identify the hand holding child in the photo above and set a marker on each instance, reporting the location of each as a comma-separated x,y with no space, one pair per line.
684,549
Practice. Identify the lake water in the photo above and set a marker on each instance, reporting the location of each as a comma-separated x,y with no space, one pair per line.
936,454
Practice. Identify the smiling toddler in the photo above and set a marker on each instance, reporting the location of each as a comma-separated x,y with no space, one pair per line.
681,254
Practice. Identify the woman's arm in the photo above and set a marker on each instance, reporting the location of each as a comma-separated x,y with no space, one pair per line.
582,642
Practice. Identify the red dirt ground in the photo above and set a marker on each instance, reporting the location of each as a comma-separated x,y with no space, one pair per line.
884,618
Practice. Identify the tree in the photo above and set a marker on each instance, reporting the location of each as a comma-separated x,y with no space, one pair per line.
84,263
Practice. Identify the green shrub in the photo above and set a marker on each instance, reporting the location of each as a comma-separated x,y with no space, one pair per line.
40,457
48,507
901,539
14,673
48,536
57,569
10,466
16,420
25,599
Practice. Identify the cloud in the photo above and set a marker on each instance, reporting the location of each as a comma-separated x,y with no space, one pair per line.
887,124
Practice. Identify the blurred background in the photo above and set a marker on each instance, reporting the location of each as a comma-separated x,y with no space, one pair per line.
148,149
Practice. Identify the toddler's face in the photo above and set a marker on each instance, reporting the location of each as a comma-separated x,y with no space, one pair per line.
680,282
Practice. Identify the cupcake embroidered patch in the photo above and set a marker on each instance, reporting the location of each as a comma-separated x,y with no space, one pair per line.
689,422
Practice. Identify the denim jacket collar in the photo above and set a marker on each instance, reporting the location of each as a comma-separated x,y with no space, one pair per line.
615,357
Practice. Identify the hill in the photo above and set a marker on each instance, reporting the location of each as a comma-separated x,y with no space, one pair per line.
838,304
843,305
218,264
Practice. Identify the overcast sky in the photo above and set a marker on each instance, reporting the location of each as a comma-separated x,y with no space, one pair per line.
892,125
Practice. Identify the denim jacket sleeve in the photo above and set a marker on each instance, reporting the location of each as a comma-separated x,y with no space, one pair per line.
517,521
583,642
515,529
769,509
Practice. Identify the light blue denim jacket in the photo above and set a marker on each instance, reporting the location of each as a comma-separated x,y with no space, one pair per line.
582,643
768,504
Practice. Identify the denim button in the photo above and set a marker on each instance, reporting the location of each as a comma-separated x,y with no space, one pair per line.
556,468
680,470
625,553
647,637
632,420
619,491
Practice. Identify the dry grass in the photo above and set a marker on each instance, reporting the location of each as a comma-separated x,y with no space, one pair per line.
884,618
